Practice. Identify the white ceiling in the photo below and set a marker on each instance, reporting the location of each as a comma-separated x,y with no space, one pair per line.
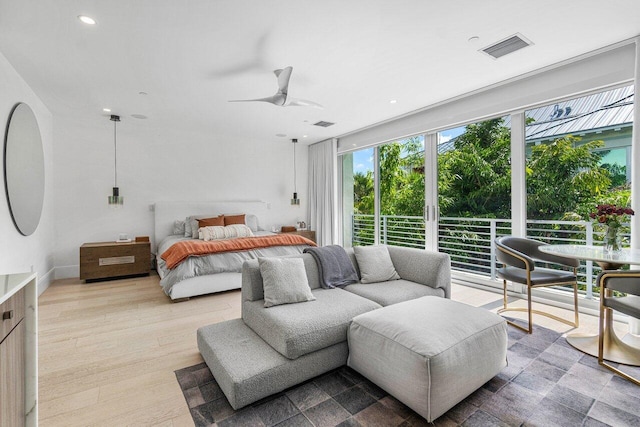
353,57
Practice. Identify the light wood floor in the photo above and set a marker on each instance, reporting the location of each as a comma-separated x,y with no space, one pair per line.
107,351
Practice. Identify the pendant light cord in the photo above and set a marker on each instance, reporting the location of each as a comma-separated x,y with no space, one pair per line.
115,154
295,188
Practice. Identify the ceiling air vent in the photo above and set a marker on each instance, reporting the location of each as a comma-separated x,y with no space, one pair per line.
504,47
324,124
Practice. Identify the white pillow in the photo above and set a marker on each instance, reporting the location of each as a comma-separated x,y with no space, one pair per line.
284,281
375,264
215,232
212,232
237,230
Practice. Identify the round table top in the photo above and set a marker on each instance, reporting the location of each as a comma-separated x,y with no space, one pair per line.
594,253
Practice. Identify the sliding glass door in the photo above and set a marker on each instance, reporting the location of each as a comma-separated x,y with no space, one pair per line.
474,193
358,198
383,190
402,178
578,155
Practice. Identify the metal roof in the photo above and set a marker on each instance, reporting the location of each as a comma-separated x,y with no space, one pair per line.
586,114
609,109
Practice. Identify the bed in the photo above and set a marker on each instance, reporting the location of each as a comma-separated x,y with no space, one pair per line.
205,274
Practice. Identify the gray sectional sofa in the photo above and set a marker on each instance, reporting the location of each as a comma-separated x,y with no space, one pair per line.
271,349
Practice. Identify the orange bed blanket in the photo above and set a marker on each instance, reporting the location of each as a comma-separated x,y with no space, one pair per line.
180,251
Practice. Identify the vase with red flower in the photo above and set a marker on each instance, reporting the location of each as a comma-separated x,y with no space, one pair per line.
612,217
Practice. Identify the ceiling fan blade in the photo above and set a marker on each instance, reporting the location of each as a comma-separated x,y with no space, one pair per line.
283,76
296,102
277,99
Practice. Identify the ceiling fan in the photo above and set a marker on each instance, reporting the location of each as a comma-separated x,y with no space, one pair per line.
282,98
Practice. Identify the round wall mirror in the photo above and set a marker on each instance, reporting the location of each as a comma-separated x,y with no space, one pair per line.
24,169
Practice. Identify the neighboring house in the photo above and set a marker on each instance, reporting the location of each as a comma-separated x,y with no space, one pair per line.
605,116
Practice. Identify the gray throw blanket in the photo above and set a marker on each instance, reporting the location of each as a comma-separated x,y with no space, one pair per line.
335,266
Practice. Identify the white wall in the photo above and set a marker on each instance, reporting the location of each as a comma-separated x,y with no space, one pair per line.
158,162
18,253
574,76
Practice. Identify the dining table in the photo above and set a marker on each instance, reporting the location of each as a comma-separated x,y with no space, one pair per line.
620,350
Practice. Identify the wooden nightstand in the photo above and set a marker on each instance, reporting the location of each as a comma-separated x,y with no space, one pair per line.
309,234
109,260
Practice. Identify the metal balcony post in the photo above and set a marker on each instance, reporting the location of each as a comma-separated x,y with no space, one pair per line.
589,264
492,245
384,229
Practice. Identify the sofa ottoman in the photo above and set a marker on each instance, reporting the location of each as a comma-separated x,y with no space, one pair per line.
429,353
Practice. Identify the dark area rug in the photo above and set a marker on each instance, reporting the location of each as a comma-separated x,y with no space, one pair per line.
547,383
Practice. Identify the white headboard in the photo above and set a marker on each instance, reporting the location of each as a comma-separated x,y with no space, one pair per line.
165,213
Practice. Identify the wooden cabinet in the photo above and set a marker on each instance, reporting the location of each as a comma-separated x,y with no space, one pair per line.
309,234
12,381
18,350
108,260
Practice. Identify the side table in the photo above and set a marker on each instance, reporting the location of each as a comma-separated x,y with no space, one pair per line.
309,234
109,260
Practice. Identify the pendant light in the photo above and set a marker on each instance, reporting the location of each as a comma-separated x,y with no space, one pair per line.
115,200
294,200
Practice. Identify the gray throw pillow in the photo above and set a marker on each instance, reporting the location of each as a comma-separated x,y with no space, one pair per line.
187,227
178,227
284,281
375,264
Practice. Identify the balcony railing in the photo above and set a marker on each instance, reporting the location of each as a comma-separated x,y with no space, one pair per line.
470,241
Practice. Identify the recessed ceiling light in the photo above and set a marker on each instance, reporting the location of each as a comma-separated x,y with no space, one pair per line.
87,19
139,116
304,136
143,93
473,39
106,110
393,101
281,135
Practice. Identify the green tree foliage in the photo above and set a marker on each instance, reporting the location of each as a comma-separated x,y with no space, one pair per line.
475,178
401,181
564,178
363,193
562,175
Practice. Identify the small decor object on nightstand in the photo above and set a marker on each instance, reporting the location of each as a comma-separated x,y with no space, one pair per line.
123,238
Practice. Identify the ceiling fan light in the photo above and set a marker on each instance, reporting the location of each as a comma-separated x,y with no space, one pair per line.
87,20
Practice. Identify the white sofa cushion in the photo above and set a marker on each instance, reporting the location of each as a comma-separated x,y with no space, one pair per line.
297,329
387,293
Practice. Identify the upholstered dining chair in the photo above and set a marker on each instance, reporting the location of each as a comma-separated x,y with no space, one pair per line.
628,283
518,257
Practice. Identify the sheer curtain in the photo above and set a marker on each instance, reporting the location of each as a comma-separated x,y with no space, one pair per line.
323,190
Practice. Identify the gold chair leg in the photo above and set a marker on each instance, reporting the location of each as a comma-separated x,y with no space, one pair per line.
601,335
601,360
575,304
504,294
529,329
530,311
